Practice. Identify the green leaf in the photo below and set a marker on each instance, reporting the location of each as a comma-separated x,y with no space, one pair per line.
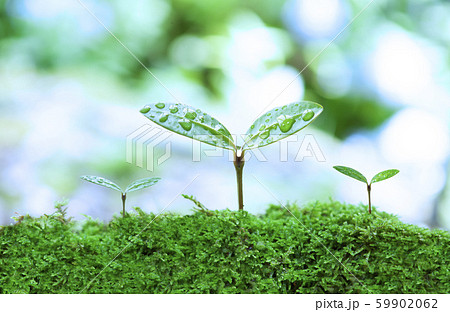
352,173
383,175
280,123
141,184
102,181
190,122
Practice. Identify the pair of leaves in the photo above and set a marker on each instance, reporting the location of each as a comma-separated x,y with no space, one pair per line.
271,127
352,173
134,186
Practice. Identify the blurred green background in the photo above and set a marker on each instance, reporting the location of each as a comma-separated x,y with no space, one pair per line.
71,93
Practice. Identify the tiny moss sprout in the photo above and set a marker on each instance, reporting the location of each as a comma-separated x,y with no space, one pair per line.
352,173
198,205
135,186
60,214
271,127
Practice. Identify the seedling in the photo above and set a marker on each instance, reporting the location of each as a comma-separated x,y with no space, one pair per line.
271,127
198,205
135,186
352,173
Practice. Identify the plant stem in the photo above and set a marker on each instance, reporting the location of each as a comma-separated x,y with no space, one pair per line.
124,198
239,166
369,188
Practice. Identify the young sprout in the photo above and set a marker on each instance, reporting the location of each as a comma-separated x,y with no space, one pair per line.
198,205
352,173
135,186
271,127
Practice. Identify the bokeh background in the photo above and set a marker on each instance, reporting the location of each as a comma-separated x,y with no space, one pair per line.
70,95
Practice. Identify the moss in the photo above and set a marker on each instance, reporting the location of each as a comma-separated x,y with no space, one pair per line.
227,252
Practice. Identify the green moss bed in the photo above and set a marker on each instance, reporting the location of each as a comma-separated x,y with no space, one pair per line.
226,252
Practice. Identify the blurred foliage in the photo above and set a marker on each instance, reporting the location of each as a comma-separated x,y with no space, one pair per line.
151,29
225,252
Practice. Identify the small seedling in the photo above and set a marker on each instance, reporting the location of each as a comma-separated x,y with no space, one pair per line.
352,173
60,214
198,205
271,127
135,186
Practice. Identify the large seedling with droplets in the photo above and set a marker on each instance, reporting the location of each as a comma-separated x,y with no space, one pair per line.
271,127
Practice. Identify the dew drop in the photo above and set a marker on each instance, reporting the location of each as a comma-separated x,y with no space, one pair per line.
190,115
262,127
308,115
252,127
285,123
160,105
185,124
284,107
264,135
223,131
174,109
145,110
267,120
268,114
163,118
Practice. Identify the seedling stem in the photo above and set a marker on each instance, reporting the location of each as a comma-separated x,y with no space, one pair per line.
124,198
239,163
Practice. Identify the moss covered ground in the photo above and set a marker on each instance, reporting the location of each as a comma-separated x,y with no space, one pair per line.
319,248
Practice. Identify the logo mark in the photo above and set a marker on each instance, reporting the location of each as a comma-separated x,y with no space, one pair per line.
142,147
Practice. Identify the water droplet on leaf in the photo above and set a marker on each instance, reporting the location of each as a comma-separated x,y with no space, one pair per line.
173,109
262,127
160,105
223,131
308,115
285,123
145,110
185,124
163,118
264,135
190,115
